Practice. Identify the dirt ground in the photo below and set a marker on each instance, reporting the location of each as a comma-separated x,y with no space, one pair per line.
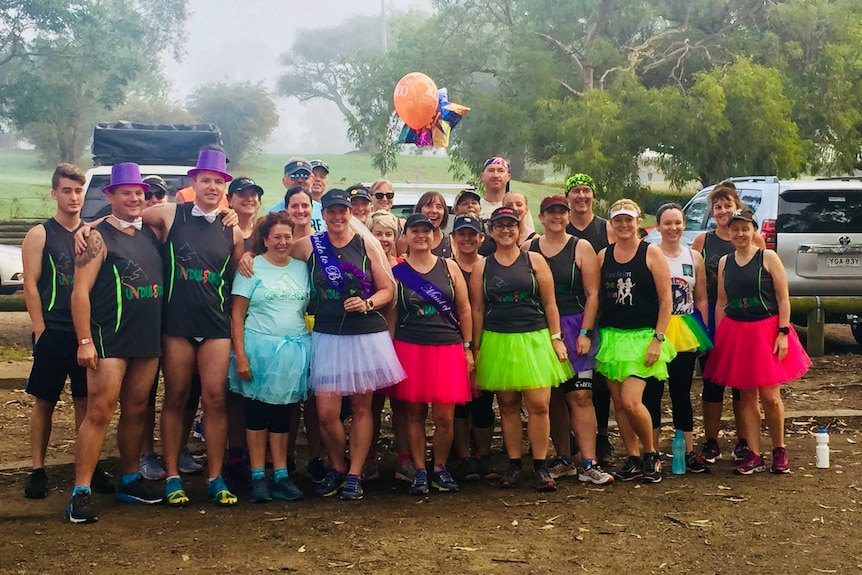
806,522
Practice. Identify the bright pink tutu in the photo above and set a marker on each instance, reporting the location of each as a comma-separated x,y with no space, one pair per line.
743,358
435,373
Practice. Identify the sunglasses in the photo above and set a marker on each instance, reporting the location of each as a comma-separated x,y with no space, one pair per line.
158,193
381,195
302,176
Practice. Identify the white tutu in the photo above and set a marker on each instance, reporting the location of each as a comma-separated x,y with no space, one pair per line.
351,364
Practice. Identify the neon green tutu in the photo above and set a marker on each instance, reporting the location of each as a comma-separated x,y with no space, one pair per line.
687,333
519,361
622,353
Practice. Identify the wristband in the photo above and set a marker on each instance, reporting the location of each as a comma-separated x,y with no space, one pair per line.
558,335
784,330
85,341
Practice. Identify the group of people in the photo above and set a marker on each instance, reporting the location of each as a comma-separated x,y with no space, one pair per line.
329,305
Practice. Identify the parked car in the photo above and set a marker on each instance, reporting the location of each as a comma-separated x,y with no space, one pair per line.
816,229
11,269
407,195
96,204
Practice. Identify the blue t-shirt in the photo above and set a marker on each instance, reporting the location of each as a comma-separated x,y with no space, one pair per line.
277,297
317,223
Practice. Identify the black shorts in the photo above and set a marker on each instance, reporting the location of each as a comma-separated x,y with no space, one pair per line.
55,358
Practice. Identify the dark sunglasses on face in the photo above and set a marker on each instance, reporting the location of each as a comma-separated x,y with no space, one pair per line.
158,193
300,176
381,195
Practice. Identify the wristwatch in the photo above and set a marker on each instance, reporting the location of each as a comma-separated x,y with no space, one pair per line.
369,305
659,336
586,332
468,345
558,335
785,330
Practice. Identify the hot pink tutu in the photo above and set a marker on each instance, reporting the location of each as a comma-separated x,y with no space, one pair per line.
435,373
743,358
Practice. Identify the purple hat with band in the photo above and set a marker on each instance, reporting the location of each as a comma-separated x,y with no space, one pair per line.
125,174
211,161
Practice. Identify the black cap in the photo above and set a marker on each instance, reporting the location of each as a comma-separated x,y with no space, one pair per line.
359,191
156,182
417,220
505,213
239,185
466,221
297,166
471,192
743,215
319,164
335,197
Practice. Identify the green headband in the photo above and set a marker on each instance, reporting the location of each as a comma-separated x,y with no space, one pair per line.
580,180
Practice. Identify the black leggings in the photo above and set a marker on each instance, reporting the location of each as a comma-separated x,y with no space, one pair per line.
260,416
480,408
653,392
601,400
680,372
712,392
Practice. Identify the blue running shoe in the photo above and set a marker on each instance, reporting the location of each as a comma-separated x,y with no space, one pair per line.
352,488
286,490
175,492
331,483
218,492
260,491
80,508
137,491
420,483
442,481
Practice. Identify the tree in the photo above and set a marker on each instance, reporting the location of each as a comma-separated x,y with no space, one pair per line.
245,113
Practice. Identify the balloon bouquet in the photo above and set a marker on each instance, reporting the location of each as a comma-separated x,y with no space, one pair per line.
427,113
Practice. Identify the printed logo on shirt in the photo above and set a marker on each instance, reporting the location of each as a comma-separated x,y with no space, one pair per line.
64,268
619,287
683,300
187,259
131,275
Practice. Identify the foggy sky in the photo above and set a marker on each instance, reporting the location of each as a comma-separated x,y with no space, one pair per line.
238,41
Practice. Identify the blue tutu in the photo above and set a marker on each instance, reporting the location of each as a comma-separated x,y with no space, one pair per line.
279,368
351,364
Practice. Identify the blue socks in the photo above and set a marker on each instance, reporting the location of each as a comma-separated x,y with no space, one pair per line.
257,473
81,489
279,473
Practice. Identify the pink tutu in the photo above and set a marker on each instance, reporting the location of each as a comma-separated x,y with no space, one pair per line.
435,373
743,358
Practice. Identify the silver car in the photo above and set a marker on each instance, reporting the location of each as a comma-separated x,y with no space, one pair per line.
11,269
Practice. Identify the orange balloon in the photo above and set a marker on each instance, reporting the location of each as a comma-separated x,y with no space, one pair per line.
415,99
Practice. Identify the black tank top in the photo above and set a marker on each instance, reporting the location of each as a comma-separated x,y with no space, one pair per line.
629,299
713,249
568,282
328,302
596,233
444,248
196,256
126,299
750,291
512,302
57,276
418,319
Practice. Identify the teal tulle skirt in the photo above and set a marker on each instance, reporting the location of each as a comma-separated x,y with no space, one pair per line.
519,361
622,353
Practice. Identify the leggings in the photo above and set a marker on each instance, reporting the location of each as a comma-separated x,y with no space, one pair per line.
680,373
601,400
260,416
653,392
713,392
480,408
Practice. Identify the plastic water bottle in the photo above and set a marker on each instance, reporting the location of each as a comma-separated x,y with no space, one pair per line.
821,458
678,446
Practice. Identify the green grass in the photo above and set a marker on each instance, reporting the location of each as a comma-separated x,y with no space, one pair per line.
25,185
15,352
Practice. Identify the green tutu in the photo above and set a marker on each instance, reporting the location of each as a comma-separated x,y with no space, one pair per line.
622,353
519,361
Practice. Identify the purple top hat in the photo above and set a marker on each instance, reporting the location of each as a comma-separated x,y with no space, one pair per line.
211,161
126,174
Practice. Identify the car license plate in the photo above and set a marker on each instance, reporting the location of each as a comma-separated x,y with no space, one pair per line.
842,262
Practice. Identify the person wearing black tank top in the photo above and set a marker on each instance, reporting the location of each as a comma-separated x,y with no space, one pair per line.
636,304
521,353
756,348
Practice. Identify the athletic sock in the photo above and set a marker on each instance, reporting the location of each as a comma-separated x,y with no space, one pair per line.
81,489
258,473
278,473
539,464
127,478
515,462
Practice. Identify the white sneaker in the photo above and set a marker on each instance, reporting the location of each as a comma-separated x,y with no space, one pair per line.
560,468
595,475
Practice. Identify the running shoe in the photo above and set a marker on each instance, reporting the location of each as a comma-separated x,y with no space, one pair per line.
740,450
753,463
711,451
420,483
218,492
152,468
175,492
316,469
442,481
37,484
633,469
260,491
544,481
562,467
405,471
370,471
695,463
330,485
198,429
352,490
651,468
593,473
137,491
468,469
780,462
511,477
80,509
187,463
102,482
604,451
486,468
286,490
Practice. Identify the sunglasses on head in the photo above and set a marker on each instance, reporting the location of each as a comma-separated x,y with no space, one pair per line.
158,193
387,195
300,176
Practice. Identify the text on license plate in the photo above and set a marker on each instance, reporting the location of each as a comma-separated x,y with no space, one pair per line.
843,262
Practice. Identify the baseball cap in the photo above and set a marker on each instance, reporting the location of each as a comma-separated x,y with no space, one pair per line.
359,191
743,215
295,166
504,213
319,164
552,201
335,197
156,183
417,220
241,184
467,192
466,221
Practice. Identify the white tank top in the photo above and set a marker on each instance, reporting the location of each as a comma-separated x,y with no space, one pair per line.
682,282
